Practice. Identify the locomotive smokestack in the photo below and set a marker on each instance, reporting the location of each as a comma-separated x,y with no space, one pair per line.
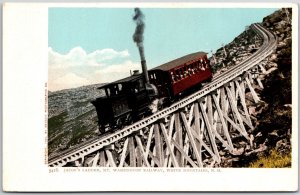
138,39
145,71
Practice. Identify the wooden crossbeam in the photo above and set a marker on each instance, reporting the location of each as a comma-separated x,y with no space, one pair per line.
209,111
259,83
216,134
158,145
149,141
171,125
242,87
209,130
143,154
262,68
132,155
206,147
216,120
153,162
203,125
95,160
102,162
191,139
191,114
184,155
139,157
110,158
178,129
186,141
243,102
211,122
167,161
186,147
236,126
254,94
232,88
236,113
224,103
250,78
170,133
173,149
154,159
198,129
225,129
244,118
217,96
167,141
123,155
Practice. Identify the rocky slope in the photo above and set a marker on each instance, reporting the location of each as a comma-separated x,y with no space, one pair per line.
72,118
273,114
236,51
275,120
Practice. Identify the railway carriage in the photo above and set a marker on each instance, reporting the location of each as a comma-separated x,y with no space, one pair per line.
181,75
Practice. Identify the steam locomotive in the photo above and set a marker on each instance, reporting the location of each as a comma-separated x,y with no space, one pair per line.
141,94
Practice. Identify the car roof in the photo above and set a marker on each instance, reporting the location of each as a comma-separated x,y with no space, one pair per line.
179,61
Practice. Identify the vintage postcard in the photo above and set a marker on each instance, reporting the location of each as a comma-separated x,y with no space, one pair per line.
150,97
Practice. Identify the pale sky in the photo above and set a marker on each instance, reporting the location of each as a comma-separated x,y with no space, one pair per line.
95,45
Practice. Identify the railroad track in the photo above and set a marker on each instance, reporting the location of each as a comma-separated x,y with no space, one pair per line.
269,44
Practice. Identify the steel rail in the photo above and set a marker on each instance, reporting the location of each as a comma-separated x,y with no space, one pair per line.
265,50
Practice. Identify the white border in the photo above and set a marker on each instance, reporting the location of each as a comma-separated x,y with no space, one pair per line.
25,67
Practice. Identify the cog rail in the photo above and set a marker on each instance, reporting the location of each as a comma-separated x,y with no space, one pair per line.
269,44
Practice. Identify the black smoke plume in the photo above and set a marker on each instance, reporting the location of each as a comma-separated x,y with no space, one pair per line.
138,36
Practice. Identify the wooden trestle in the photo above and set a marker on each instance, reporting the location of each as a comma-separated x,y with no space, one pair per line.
192,136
